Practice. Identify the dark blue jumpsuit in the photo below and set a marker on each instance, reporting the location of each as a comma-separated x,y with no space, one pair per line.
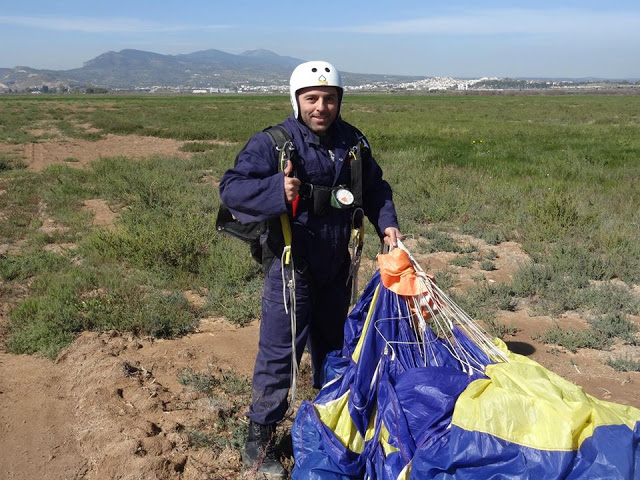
254,191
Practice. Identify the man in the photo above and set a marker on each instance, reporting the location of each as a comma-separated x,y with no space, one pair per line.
256,189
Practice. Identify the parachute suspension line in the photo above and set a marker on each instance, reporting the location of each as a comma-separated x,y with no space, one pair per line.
420,331
289,282
388,347
447,317
444,325
442,330
471,329
448,320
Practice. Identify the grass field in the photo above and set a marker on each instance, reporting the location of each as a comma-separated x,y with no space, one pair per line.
560,175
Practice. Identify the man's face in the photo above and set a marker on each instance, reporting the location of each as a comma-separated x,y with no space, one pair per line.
318,107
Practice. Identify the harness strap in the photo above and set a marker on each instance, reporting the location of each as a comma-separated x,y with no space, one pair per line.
285,148
284,218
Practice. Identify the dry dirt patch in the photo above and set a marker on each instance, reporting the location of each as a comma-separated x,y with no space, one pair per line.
80,153
103,215
55,148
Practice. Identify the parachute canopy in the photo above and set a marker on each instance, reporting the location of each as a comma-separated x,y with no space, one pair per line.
419,391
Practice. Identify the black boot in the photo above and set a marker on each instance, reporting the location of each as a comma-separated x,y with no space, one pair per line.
259,452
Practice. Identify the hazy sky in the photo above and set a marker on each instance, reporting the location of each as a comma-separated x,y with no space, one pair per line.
416,37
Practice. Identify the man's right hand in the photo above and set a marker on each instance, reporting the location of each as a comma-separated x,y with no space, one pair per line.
291,184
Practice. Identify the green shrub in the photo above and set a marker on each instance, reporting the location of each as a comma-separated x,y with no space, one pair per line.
42,325
21,267
463,261
11,163
499,330
201,382
531,279
491,255
481,300
63,304
576,261
561,294
196,147
574,339
5,163
624,364
441,242
493,237
148,239
487,265
445,279
235,384
554,214
615,325
228,394
609,298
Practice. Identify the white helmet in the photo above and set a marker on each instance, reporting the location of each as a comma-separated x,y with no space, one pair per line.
313,74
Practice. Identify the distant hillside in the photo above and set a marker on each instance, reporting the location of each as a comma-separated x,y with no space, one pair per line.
21,78
129,69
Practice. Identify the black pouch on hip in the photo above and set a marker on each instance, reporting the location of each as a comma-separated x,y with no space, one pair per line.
321,201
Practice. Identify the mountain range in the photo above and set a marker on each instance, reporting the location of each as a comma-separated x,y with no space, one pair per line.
130,69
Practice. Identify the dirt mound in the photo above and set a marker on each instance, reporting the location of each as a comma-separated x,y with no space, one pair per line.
112,407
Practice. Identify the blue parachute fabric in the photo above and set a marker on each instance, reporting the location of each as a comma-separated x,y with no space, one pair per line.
471,455
400,345
318,456
382,327
356,320
334,366
415,408
397,408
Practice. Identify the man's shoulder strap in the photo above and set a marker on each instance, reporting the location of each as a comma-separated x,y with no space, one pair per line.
279,136
285,150
283,143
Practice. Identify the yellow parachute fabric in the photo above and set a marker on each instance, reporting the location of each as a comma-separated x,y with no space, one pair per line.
552,413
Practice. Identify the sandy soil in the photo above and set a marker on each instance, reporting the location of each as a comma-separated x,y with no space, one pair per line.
111,406
80,153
